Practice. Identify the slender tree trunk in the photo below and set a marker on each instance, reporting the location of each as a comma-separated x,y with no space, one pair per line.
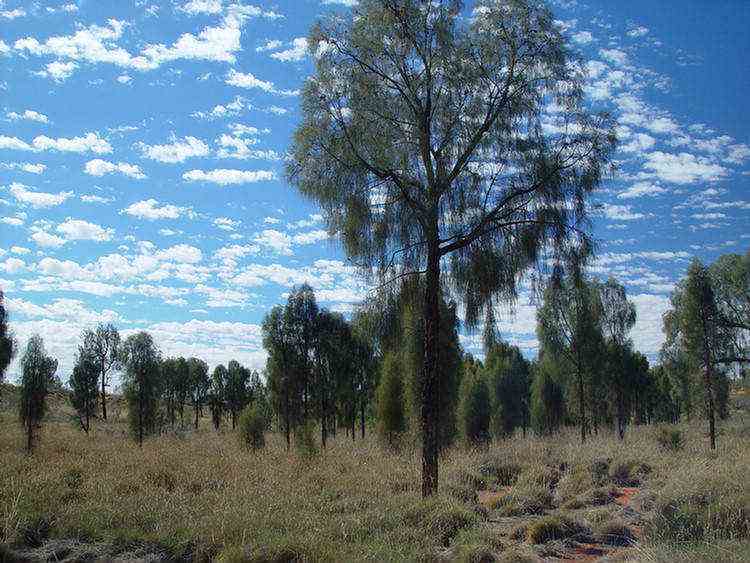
140,415
323,417
708,381
620,415
286,421
581,407
353,423
196,408
430,415
29,435
104,395
362,419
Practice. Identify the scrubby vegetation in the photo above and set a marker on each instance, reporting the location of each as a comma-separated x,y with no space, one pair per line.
197,495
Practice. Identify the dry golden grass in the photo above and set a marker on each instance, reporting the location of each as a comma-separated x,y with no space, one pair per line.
201,495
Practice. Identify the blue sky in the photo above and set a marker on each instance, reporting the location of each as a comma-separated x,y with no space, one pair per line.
142,147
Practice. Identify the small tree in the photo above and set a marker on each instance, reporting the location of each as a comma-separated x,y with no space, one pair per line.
7,342
235,389
216,395
475,407
142,383
105,345
200,384
390,400
547,396
252,427
701,333
84,385
38,370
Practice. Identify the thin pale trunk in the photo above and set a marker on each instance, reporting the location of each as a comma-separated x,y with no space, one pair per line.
362,419
104,395
430,415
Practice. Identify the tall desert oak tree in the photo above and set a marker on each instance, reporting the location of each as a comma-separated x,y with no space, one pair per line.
430,131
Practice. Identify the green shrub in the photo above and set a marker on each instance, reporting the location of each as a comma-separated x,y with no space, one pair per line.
628,473
441,518
252,427
615,532
551,527
304,440
501,472
522,501
670,438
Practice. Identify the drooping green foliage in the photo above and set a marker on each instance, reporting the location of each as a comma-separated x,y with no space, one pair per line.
421,138
509,380
390,400
200,385
7,342
548,395
475,403
216,395
252,427
569,326
142,383
105,345
236,389
84,382
37,373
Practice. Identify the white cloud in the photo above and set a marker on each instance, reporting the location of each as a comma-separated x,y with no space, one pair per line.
620,213
12,265
270,45
202,7
151,210
99,167
582,37
614,56
19,250
43,238
91,198
124,79
296,52
24,194
24,166
77,229
176,151
59,71
638,31
683,168
641,189
28,115
12,14
249,81
638,143
230,109
223,176
226,224
238,147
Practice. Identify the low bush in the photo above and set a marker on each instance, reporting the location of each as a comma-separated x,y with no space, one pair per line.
522,501
440,517
615,532
555,527
252,427
670,438
304,441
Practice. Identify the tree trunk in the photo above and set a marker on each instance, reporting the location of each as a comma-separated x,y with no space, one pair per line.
29,435
197,411
620,415
140,415
581,408
362,419
323,417
286,421
430,416
104,396
708,380
354,423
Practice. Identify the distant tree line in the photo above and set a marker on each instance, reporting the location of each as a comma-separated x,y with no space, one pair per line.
327,371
